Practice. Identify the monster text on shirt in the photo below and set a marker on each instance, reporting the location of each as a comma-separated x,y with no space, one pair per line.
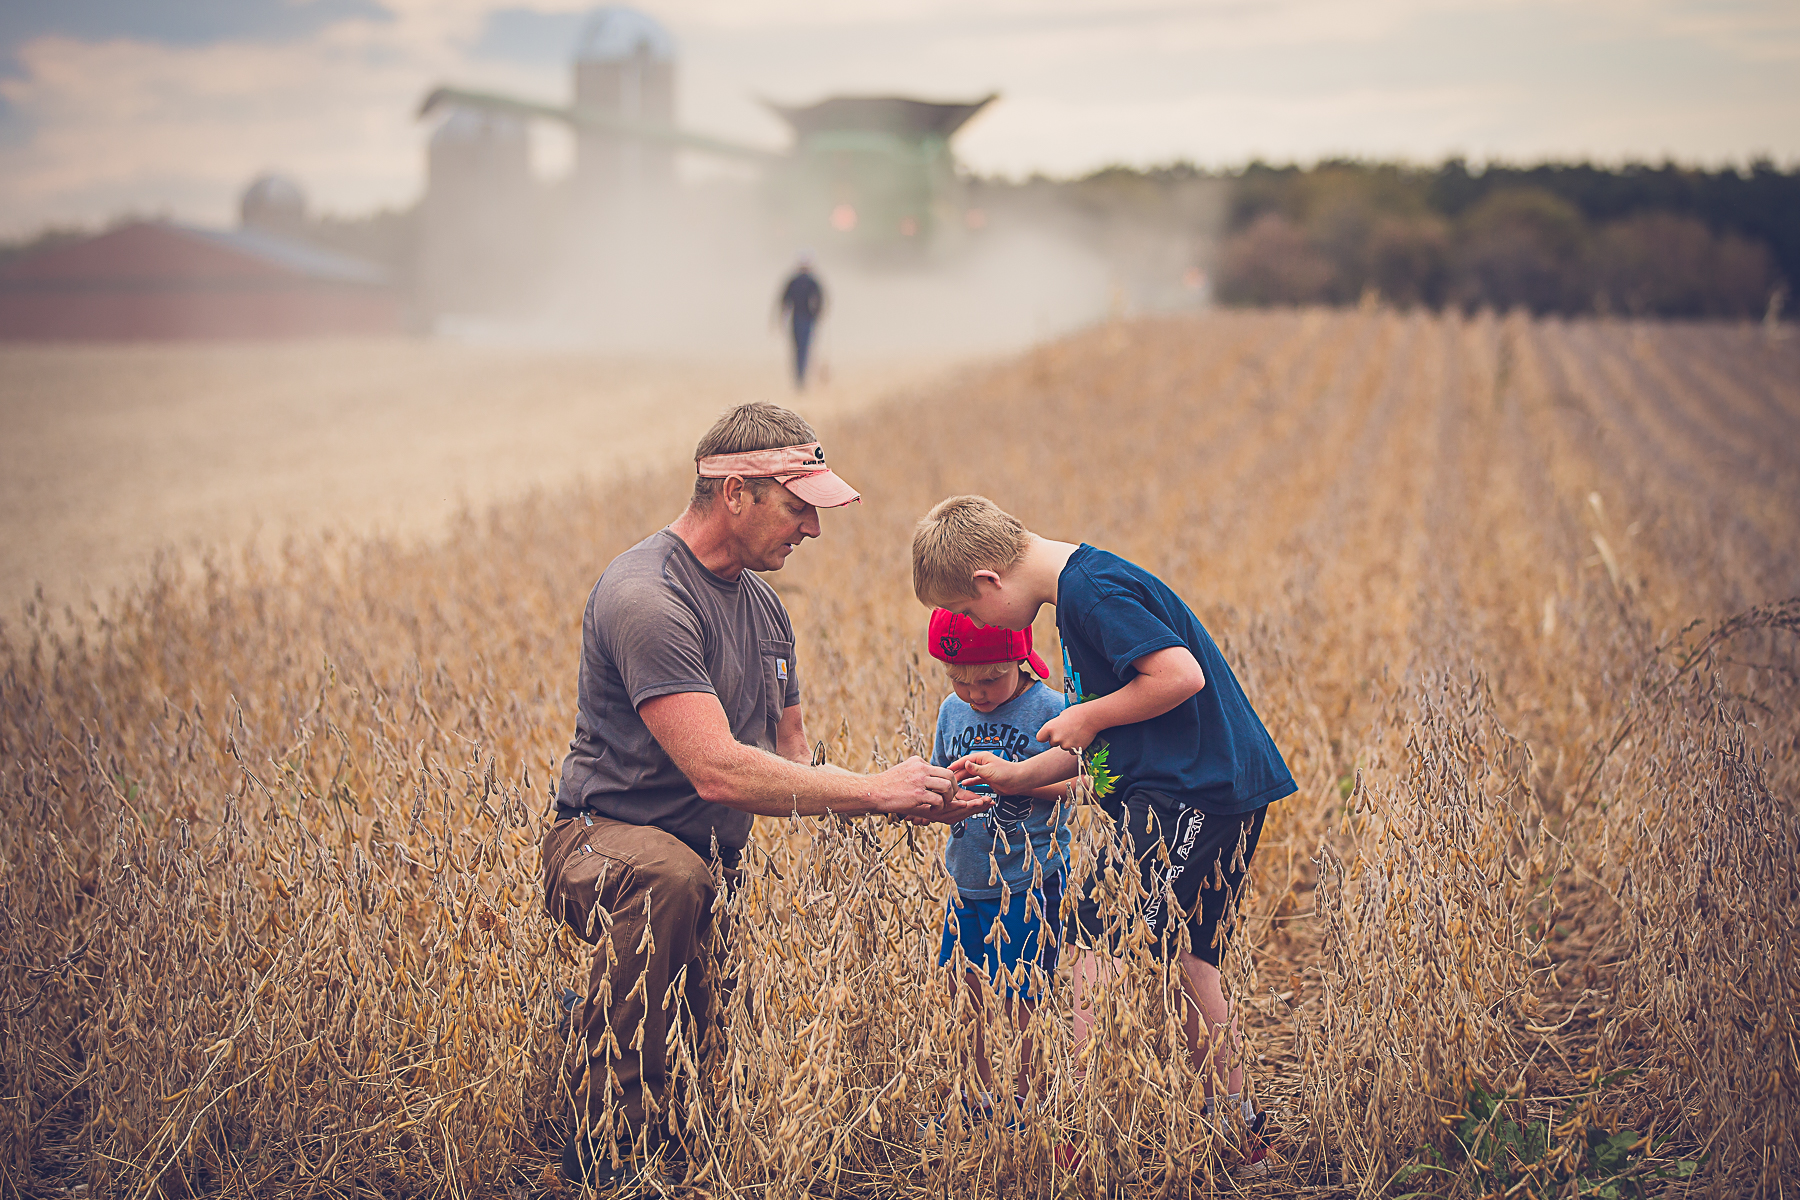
1003,740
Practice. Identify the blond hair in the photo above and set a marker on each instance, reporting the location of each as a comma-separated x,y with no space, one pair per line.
960,536
982,672
754,426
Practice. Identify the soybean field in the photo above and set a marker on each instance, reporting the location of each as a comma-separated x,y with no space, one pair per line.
1517,599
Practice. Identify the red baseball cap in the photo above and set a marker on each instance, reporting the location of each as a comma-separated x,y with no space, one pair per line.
956,639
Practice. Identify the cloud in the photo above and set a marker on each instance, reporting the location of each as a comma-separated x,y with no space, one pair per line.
184,127
172,22
173,105
528,35
1753,33
96,128
1085,83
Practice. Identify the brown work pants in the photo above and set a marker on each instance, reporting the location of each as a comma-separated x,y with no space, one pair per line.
655,928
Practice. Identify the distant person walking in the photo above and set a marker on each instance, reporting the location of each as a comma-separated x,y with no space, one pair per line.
802,303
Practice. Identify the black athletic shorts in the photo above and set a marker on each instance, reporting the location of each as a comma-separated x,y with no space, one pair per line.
1207,859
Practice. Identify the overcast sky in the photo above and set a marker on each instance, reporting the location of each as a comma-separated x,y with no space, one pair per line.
169,106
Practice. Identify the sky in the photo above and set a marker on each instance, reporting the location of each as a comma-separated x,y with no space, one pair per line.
168,107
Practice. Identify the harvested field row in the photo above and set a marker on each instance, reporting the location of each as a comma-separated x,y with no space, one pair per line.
114,454
1515,599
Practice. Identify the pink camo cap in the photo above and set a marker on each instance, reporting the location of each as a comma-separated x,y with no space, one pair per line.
801,469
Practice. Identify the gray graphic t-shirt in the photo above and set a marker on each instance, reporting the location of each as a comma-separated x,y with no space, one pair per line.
1018,834
658,623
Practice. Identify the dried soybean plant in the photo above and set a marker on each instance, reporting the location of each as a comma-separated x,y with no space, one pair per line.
268,873
851,1061
1433,919
293,996
1697,841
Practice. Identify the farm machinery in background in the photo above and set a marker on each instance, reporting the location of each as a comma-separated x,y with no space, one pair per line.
869,175
624,254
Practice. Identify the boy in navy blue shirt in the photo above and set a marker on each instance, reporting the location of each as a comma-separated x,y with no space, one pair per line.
1009,864
1177,755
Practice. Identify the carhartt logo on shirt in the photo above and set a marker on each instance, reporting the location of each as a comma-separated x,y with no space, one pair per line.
781,669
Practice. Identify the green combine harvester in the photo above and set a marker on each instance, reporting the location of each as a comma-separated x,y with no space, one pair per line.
873,175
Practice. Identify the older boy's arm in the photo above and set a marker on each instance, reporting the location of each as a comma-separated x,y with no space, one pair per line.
1164,679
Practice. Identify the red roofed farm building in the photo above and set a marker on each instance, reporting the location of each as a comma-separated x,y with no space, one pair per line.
160,280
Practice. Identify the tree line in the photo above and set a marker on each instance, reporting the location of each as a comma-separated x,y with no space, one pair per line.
1639,240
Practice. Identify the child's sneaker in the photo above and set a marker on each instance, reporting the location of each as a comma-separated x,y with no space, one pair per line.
1021,1110
975,1112
1254,1165
567,1002
1257,1132
587,1163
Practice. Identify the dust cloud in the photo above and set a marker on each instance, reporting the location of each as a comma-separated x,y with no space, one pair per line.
560,334
698,275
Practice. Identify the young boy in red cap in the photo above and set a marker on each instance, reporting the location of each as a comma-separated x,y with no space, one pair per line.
1007,864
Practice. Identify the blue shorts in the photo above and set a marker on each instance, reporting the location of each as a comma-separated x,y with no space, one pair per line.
972,927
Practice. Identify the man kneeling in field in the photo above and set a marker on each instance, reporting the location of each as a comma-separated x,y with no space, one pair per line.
688,725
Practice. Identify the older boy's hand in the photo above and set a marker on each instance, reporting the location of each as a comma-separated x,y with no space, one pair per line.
1068,730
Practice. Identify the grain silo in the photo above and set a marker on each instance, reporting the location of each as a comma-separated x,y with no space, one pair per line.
477,221
273,203
625,70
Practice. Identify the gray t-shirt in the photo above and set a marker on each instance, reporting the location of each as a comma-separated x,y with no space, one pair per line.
657,623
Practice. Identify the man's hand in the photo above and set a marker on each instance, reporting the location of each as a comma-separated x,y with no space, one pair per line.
910,789
959,807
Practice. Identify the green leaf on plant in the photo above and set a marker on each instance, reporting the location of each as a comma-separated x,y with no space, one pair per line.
1104,780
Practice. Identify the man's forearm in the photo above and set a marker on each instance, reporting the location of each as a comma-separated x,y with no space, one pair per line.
790,737
692,730
770,786
767,785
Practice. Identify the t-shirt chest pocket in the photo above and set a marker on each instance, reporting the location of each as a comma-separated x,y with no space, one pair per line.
777,664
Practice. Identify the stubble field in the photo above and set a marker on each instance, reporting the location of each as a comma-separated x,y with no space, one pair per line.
1514,599
114,454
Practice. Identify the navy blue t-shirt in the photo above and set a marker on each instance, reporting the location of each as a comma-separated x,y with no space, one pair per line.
1209,752
803,298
